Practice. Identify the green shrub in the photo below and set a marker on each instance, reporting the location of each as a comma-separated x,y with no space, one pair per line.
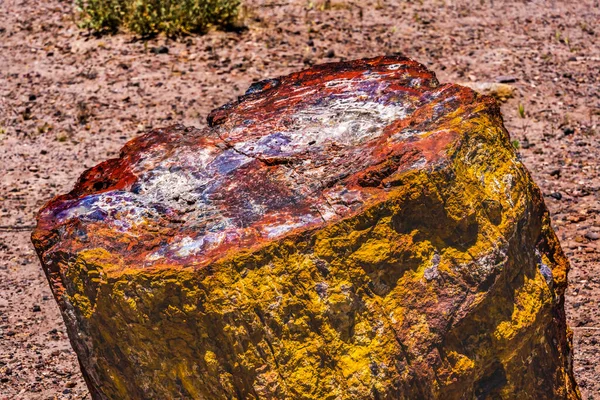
148,17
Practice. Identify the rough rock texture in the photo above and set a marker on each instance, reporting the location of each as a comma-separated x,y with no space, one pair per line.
356,230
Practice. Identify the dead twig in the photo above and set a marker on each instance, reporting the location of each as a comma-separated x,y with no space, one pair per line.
16,228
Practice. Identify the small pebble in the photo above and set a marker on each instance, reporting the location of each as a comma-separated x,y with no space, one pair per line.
556,195
567,130
160,50
308,61
506,79
592,235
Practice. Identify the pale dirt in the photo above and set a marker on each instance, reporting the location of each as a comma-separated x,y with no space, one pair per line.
69,100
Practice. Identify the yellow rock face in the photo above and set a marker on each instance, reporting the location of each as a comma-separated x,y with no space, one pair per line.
444,280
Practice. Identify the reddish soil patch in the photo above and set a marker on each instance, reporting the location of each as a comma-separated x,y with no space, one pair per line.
69,100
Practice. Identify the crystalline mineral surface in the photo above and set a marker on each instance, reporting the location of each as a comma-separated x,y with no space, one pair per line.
355,230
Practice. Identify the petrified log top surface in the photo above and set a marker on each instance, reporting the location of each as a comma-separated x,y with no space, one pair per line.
292,154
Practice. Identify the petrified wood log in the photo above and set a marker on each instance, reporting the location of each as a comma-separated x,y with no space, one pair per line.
352,231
